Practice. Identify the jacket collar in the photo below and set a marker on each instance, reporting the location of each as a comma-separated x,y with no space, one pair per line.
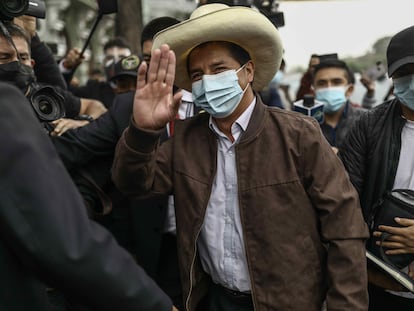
256,121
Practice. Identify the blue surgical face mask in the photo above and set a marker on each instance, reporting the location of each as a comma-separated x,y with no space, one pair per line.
218,94
333,98
404,90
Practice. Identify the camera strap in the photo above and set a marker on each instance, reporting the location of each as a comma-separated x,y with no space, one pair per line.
105,200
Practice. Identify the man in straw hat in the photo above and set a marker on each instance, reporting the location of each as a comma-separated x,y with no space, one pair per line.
251,235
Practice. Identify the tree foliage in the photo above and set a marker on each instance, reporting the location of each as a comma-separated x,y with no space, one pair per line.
376,54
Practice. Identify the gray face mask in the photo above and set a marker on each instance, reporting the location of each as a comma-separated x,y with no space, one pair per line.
404,90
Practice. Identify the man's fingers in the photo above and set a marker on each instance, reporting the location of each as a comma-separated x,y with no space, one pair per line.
391,244
153,66
142,75
392,230
406,222
398,251
164,62
170,74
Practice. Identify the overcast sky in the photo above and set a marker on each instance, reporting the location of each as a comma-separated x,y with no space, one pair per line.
347,27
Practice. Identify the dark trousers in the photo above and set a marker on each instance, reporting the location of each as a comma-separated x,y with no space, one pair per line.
168,273
221,299
380,300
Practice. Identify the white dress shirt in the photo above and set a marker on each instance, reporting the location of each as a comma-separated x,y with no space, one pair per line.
221,241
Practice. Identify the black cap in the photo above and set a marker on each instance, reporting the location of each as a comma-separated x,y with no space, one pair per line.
126,66
400,50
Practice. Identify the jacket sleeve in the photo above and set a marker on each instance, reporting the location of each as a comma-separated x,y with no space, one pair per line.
46,69
142,167
342,226
353,153
44,222
79,146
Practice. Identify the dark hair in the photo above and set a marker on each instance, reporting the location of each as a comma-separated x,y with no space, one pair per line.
117,42
335,63
236,51
155,26
16,31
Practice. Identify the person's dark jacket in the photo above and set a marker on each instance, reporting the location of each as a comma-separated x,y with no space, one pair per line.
371,152
46,236
92,148
336,136
45,68
82,145
94,89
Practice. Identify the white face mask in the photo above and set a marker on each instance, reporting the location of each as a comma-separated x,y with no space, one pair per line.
218,94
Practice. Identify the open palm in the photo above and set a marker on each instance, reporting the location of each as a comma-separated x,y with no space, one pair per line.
154,102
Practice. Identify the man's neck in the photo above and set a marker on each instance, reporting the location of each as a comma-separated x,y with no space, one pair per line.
407,112
333,119
225,124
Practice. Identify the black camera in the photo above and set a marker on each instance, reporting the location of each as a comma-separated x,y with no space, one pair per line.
47,103
10,9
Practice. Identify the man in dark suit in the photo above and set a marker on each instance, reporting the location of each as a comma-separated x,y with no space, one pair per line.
46,236
138,225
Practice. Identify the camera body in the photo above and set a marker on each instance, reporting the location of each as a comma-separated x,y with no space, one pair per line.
47,103
16,8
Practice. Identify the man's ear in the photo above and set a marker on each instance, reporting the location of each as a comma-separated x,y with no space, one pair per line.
32,62
349,91
250,71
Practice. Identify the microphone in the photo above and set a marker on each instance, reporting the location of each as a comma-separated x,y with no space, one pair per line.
309,107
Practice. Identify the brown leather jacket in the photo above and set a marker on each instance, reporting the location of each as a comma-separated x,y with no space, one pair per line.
302,223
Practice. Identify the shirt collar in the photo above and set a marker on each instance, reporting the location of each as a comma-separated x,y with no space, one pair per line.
241,122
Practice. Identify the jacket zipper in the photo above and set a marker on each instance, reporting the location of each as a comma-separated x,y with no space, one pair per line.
187,301
244,235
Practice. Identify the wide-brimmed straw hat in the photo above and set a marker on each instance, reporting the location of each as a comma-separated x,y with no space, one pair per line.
243,26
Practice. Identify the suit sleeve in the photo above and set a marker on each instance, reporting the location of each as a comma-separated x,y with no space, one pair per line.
46,69
44,222
79,146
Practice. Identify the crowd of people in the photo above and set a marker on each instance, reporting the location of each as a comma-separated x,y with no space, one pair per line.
151,191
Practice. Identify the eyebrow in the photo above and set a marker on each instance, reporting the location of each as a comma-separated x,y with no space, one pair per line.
212,65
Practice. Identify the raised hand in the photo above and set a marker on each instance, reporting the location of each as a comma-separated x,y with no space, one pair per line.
154,102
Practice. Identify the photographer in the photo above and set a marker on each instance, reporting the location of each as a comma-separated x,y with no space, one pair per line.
46,236
45,67
16,68
104,91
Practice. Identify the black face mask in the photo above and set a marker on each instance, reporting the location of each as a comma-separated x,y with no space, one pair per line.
18,74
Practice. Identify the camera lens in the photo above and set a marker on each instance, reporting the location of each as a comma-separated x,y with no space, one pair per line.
45,107
13,8
47,103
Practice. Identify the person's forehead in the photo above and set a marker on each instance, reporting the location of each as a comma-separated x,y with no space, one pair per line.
210,51
115,50
330,73
20,43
